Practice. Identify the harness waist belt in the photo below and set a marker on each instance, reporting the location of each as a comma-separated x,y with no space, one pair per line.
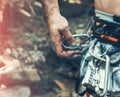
106,27
107,16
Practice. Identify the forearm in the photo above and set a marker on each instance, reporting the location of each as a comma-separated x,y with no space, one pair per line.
51,7
58,26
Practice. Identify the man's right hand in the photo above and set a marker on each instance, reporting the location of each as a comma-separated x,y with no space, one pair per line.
59,29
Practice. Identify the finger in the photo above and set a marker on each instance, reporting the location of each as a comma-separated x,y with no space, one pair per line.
62,53
57,41
69,37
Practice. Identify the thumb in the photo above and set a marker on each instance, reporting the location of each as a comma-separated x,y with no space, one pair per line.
69,37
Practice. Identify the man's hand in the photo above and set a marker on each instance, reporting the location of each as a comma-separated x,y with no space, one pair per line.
59,29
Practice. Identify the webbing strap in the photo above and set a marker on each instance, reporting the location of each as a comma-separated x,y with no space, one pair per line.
106,32
77,88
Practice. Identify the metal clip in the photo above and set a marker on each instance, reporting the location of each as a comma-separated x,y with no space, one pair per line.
80,47
105,58
101,57
107,68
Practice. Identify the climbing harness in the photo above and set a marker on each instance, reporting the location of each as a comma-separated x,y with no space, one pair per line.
100,63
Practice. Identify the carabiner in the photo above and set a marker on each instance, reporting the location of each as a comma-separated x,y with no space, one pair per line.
78,46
